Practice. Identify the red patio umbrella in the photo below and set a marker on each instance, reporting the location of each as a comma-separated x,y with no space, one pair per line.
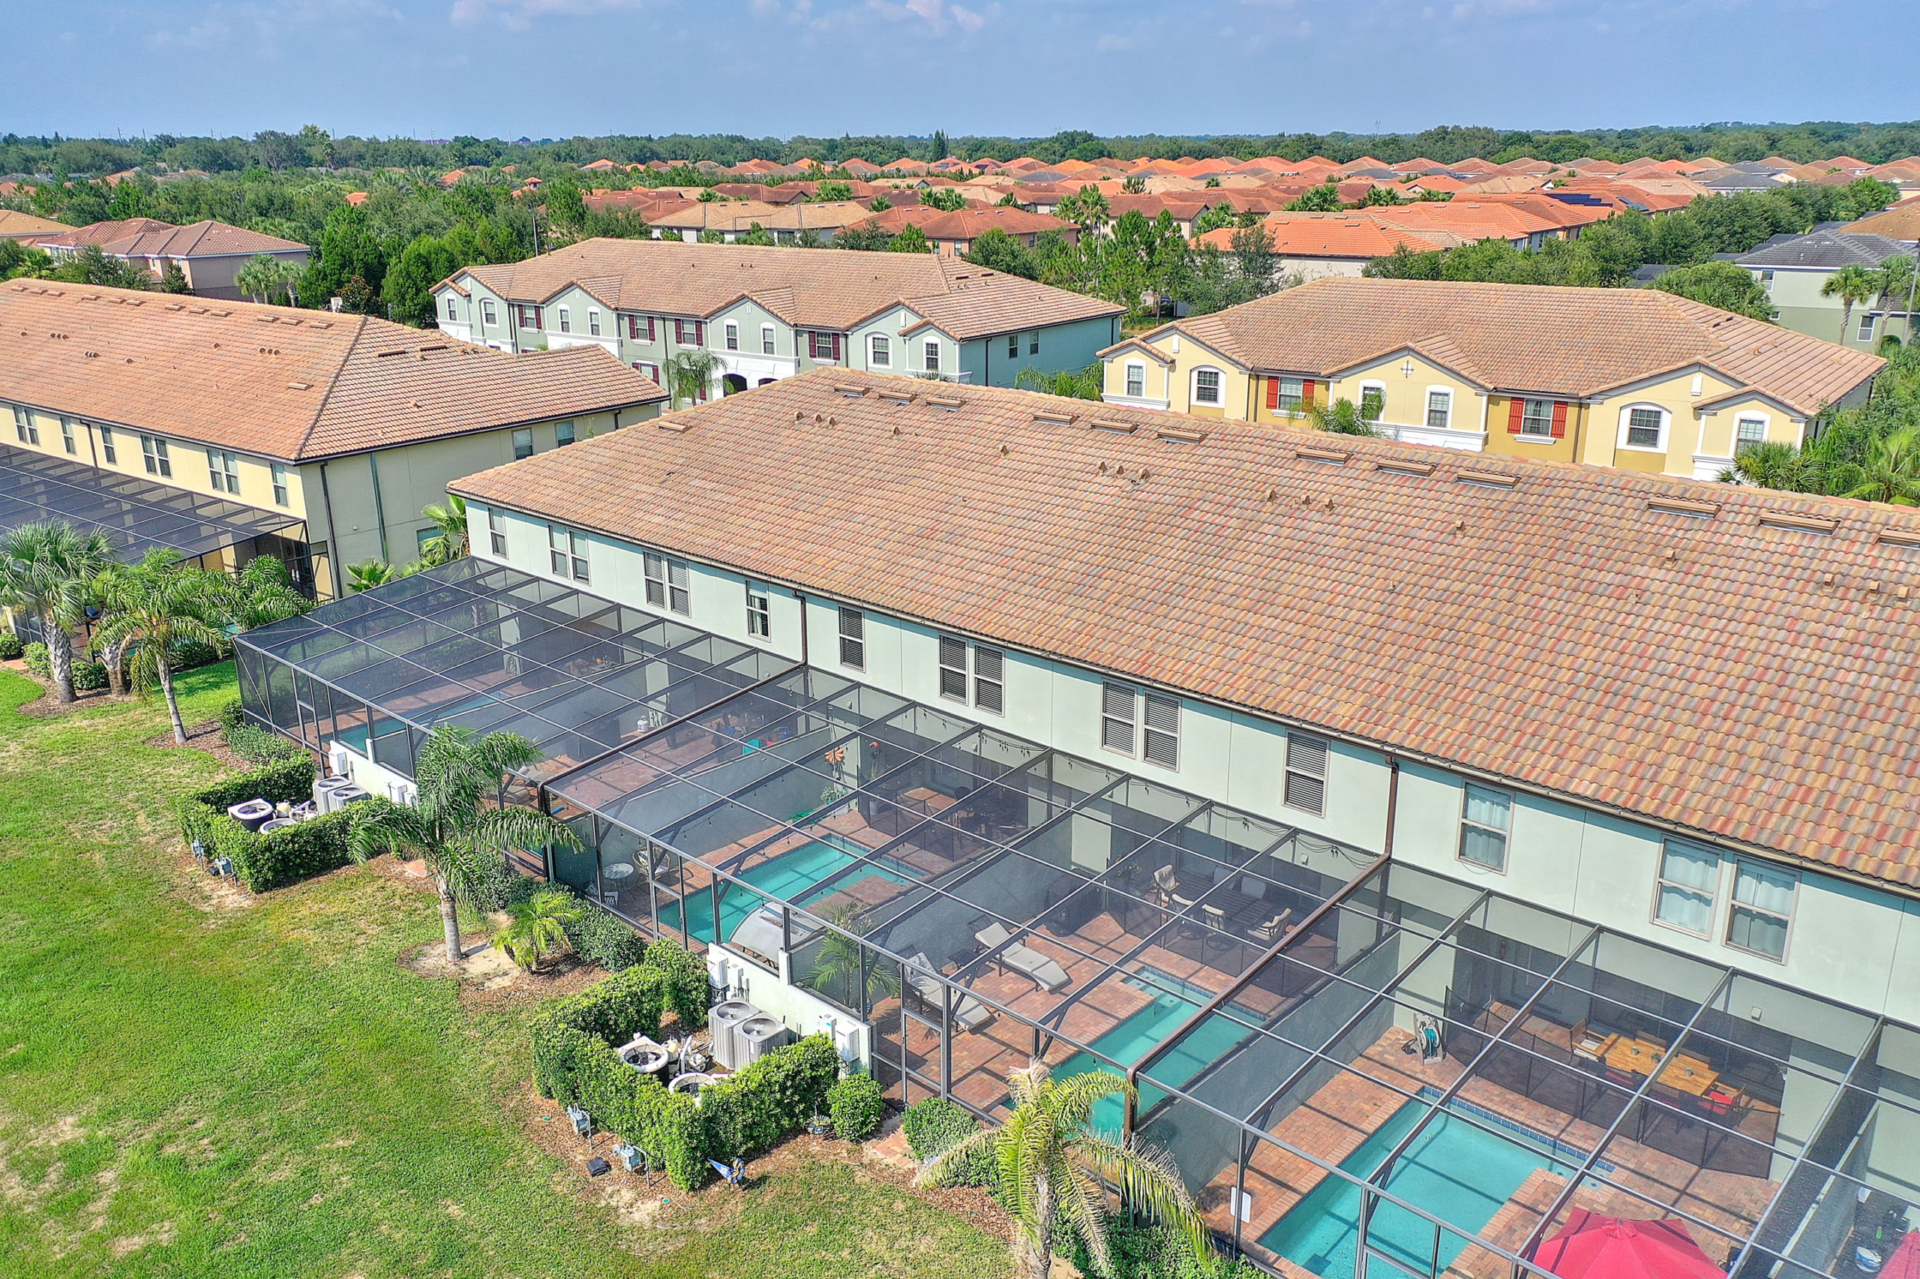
1595,1247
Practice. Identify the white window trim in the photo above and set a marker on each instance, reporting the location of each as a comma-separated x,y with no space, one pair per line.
1764,419
1506,836
1360,399
1713,906
1865,332
766,340
486,312
1135,367
1193,386
593,321
1626,417
879,351
731,333
566,320
1426,408
1793,910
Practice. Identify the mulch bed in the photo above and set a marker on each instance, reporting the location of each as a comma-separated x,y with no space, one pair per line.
44,706
203,737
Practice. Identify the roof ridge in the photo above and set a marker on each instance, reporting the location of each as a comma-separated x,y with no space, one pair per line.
326,396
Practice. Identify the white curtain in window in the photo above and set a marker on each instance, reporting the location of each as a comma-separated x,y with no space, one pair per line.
1689,876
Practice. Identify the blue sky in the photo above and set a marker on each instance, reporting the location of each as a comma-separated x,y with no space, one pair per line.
551,68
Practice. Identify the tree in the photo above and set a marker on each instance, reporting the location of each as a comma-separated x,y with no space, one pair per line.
998,251
868,236
1051,1166
833,191
566,206
91,266
1379,196
880,204
754,234
450,518
1075,384
945,199
348,249
1134,184
910,240
258,595
1722,284
1320,199
369,574
691,375
157,605
938,151
1852,284
1891,472
1341,418
537,927
1086,208
1773,464
173,279
450,828
265,275
1211,219
47,568
840,967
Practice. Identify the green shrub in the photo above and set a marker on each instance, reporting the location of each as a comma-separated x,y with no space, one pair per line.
500,886
291,783
88,676
856,1104
933,1124
609,1012
36,655
600,937
260,747
187,655
1143,1251
232,715
688,991
10,647
772,1098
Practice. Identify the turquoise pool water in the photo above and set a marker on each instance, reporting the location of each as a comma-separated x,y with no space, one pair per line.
786,878
1459,1173
1139,1035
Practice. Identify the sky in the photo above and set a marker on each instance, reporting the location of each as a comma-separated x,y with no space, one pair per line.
1022,68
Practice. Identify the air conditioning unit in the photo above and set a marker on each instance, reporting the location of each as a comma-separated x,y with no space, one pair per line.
349,794
323,789
403,793
337,756
759,1036
724,1020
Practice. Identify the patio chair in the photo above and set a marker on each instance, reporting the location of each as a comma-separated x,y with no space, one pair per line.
1166,881
1269,930
968,1011
1022,958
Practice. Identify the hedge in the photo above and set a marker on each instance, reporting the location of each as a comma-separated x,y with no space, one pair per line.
574,1063
289,783
264,862
931,1125
857,1106
10,647
600,937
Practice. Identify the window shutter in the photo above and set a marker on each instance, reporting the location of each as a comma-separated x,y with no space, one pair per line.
1515,408
699,332
1559,419
679,333
1306,390
1273,395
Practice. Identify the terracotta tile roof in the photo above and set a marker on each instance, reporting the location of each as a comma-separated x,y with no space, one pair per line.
1740,680
1562,341
1897,222
1331,237
289,384
15,225
146,237
971,224
104,232
821,288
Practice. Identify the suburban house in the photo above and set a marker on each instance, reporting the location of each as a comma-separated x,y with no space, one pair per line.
232,430
767,313
731,219
1313,245
28,229
952,234
1172,745
1794,271
210,254
1631,378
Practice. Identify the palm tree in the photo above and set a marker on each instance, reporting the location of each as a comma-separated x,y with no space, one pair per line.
450,543
364,577
47,568
1772,464
1341,418
1083,384
837,966
259,594
159,603
265,275
1048,1159
691,374
1852,284
537,928
448,828
1891,472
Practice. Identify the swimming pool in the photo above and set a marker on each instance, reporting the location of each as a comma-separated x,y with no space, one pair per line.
787,878
1459,1173
1139,1035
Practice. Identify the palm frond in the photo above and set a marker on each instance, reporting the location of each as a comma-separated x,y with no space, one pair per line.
1149,1181
1074,1097
934,1170
394,830
1079,1201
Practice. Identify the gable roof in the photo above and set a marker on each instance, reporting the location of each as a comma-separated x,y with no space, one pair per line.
1333,237
1573,342
822,288
289,384
15,225
1751,689
1826,250
148,238
1897,222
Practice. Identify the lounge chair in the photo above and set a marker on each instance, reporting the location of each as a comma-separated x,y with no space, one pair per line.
968,1011
1022,958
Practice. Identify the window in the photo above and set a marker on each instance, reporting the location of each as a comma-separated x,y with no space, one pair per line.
223,469
1688,884
1136,379
1762,908
759,612
522,442
989,679
1483,827
25,427
66,434
1033,342
853,638
1163,730
563,433
1116,717
1206,386
1439,409
1306,781
1536,417
1287,395
453,312
689,332
421,536
640,328
593,321
1643,428
824,346
529,317
487,315
932,355
651,371
566,321
1766,280
107,448
879,352
667,583
567,547
1749,430
496,534
953,668
766,339
279,474
733,336
1373,401
154,453
1013,346
1866,327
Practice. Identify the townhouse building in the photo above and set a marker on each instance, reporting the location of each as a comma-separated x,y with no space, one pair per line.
209,254
1370,807
767,313
1631,378
229,430
1794,270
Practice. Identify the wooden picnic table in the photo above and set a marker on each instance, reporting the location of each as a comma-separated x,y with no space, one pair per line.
1640,1056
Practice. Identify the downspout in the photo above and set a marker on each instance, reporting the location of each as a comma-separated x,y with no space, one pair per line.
1393,799
803,627
379,508
333,534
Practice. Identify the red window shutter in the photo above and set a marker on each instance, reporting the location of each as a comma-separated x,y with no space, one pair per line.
650,332
1515,407
1273,395
1559,419
1306,391
679,333
836,346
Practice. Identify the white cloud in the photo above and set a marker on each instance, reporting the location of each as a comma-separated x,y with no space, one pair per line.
518,15
939,15
1111,43
967,18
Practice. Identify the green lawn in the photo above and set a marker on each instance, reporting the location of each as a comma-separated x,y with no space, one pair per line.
193,1085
